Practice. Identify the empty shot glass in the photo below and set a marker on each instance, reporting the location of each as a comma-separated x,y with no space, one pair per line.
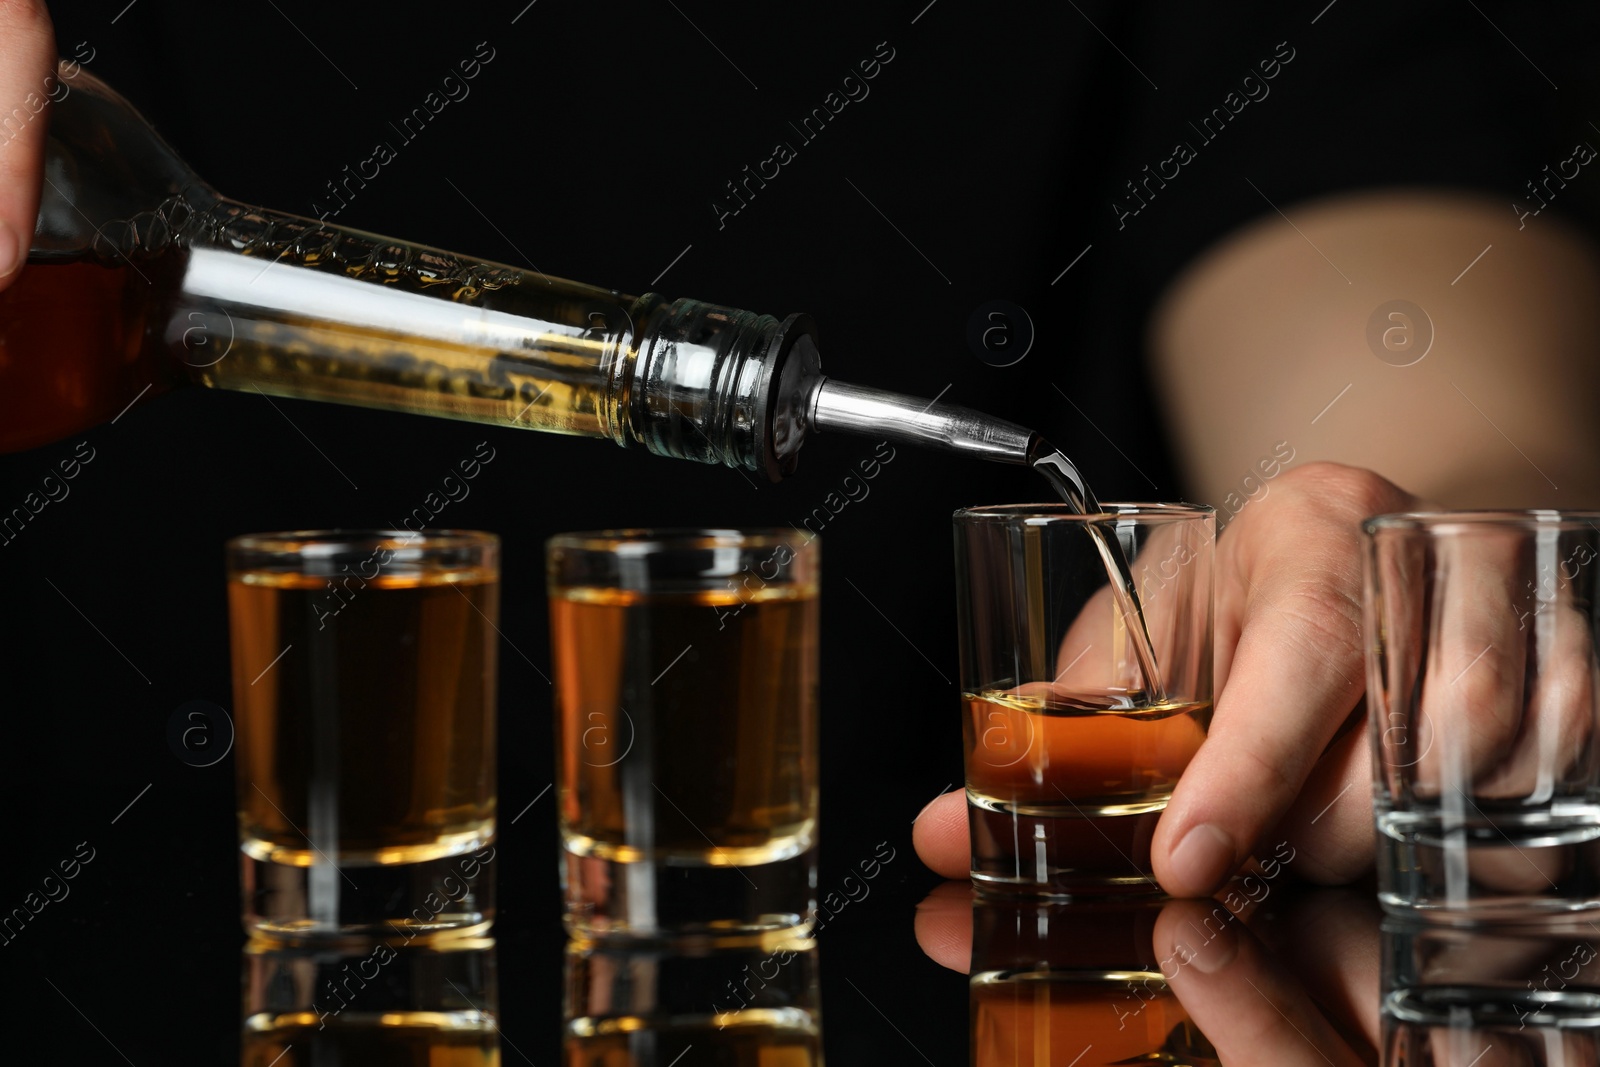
1481,682
685,667
1078,718
364,693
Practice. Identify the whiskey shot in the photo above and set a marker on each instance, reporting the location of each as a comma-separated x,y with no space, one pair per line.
1084,694
685,668
364,688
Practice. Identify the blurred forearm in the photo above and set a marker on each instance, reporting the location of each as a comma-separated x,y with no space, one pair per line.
1275,341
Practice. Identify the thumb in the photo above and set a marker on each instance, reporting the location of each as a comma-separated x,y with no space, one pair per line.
27,76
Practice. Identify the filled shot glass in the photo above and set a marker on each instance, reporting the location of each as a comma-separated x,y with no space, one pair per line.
364,699
1481,684
1077,717
685,667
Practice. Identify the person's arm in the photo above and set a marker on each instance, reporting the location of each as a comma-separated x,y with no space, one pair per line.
1262,345
27,59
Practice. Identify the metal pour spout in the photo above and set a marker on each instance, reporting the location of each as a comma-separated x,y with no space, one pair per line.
860,409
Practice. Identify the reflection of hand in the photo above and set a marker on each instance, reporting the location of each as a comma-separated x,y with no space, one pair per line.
1257,1007
1290,673
1312,999
27,58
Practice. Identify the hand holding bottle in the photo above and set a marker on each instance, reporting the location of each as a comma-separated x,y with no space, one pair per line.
27,59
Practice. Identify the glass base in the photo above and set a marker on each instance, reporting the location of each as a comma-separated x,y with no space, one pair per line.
681,900
451,895
1021,854
1518,866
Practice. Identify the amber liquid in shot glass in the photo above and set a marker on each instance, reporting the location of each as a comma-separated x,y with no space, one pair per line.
1082,775
685,669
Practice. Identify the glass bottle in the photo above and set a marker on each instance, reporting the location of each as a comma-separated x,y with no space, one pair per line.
141,278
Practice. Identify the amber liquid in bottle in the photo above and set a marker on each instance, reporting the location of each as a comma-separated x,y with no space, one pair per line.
72,350
312,313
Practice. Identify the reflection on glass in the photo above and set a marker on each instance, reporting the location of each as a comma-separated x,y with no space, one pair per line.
1528,995
375,1003
740,1006
1058,983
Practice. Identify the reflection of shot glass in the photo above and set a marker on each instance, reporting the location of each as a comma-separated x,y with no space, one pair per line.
685,670
1053,980
364,689
1071,755
750,1004
1528,991
370,1002
1481,686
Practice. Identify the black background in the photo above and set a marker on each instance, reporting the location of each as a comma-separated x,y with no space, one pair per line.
981,164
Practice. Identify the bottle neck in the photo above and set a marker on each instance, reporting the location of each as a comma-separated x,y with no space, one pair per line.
720,385
288,306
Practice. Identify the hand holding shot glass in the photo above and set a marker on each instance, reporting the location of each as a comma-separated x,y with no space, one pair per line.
1076,725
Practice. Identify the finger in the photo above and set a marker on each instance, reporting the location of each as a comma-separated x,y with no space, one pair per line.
1253,1010
1290,572
1330,825
943,925
1553,752
940,836
1458,604
28,42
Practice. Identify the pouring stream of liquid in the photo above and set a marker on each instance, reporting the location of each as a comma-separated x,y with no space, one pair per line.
1070,485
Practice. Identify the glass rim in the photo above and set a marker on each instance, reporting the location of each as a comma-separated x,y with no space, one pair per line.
308,542
641,539
1057,511
1443,522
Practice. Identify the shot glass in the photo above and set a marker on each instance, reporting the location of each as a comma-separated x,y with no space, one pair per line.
1481,681
364,689
1086,673
685,667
